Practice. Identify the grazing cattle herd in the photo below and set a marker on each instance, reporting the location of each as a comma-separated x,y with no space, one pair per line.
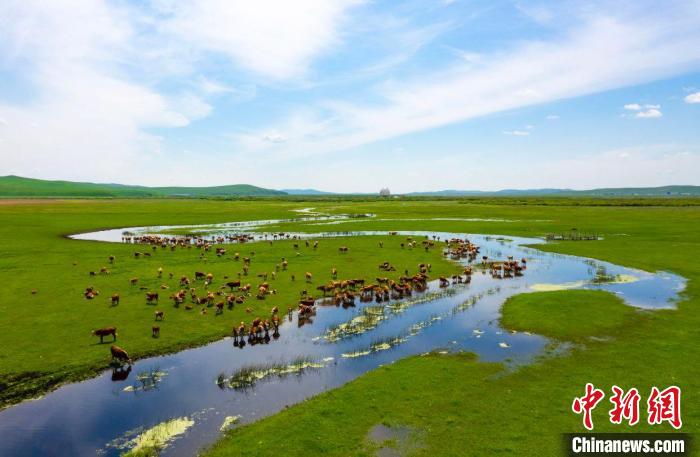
335,292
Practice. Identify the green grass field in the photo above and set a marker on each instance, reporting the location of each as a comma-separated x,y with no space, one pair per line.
50,331
455,405
568,315
458,406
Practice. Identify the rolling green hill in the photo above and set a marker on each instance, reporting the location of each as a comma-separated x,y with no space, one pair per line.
17,186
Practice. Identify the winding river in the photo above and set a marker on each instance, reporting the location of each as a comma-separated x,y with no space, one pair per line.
223,385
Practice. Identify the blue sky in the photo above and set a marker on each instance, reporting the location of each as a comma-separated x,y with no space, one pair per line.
352,95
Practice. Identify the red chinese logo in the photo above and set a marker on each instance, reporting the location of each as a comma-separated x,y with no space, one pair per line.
665,406
625,406
587,403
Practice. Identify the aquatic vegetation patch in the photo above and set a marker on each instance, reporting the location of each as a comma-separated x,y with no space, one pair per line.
415,329
471,301
387,343
146,380
368,319
248,376
355,354
370,316
601,277
624,279
546,287
228,422
157,438
402,305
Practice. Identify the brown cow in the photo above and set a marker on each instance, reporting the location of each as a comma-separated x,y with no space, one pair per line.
160,315
155,331
133,281
239,331
115,299
308,301
90,293
343,249
102,332
119,354
308,276
151,297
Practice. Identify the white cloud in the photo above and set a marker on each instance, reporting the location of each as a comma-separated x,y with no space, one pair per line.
602,54
98,74
210,87
537,13
192,107
86,117
693,98
274,138
275,39
647,111
94,69
552,117
651,113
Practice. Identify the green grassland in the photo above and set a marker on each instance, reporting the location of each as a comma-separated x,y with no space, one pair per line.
50,331
568,315
456,405
459,406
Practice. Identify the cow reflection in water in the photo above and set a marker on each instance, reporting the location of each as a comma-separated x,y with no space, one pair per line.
121,373
303,320
259,330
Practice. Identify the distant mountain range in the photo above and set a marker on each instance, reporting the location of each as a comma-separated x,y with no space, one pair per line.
306,192
16,186
678,191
